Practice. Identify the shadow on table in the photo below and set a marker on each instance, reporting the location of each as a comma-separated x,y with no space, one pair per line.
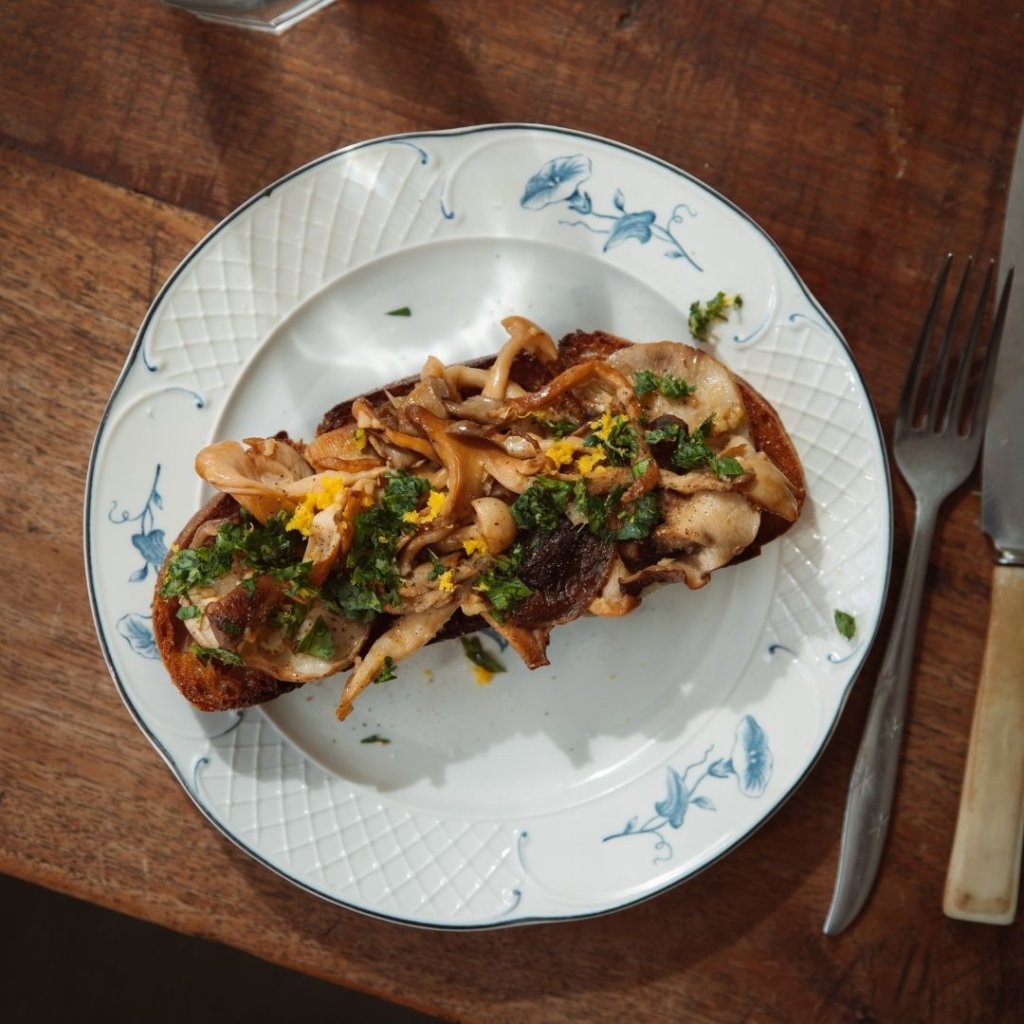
248,79
115,968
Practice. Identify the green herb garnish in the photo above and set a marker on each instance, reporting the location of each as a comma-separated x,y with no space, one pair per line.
846,624
692,451
475,651
437,567
270,546
289,617
189,611
402,493
261,548
639,468
387,670
619,441
704,314
609,519
668,431
217,653
375,738
372,579
542,504
559,428
196,567
318,642
638,518
500,584
646,381
296,576
401,311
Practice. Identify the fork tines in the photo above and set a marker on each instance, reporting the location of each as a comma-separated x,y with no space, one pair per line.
939,405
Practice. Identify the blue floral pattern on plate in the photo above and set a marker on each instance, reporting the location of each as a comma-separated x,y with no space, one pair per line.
148,541
749,763
137,629
560,181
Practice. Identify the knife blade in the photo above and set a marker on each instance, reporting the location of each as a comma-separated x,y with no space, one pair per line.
983,878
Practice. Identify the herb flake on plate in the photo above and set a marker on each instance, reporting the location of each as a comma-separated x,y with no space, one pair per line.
846,624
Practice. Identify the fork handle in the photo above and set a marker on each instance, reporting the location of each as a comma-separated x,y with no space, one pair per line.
984,866
873,782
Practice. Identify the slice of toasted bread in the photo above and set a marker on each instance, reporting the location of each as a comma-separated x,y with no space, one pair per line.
208,684
214,685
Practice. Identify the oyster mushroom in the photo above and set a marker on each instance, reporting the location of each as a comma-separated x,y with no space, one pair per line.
256,475
407,635
494,523
344,448
717,392
524,336
276,653
697,534
613,601
470,459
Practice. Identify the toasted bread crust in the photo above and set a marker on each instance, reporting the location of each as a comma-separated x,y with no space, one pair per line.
209,685
772,438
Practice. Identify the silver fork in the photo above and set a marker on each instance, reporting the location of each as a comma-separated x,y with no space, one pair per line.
936,447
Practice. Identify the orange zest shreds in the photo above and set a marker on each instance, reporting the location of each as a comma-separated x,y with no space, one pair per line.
475,546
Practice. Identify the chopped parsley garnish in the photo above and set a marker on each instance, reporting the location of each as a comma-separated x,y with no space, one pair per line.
437,567
189,611
542,504
289,617
704,314
387,670
375,738
692,450
646,381
638,518
318,642
559,428
196,567
617,437
475,651
262,548
217,653
297,578
372,579
639,468
270,546
403,493
846,624
610,519
500,584
401,311
662,431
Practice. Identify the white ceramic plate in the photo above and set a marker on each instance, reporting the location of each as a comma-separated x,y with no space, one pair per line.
652,745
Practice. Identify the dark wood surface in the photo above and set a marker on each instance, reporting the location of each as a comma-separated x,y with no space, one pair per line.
866,138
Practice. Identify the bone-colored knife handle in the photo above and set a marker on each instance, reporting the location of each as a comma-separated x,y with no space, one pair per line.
984,866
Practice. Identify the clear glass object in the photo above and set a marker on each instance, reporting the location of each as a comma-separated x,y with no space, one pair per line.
263,15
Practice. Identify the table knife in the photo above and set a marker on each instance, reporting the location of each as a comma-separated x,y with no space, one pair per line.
984,866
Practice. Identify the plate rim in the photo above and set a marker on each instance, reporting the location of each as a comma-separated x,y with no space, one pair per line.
135,350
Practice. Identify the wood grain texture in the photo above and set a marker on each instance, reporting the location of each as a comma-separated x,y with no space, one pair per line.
867,139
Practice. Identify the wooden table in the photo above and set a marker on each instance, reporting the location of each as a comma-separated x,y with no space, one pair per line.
866,138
